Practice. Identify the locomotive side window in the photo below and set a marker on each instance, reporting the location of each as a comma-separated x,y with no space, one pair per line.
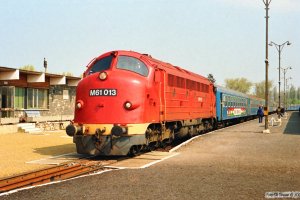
171,80
132,64
102,64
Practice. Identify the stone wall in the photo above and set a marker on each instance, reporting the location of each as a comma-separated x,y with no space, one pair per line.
61,100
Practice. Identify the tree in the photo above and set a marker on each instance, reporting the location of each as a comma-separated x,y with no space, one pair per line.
275,94
298,93
260,88
28,68
292,95
67,73
238,84
211,78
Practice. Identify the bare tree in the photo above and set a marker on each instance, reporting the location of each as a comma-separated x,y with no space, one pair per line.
238,84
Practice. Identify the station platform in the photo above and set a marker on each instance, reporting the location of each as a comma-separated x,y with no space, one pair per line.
237,162
19,148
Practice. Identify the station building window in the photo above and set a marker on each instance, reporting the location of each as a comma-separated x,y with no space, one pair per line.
19,98
37,98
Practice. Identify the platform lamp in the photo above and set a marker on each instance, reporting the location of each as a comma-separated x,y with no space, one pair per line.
285,84
267,3
45,65
279,48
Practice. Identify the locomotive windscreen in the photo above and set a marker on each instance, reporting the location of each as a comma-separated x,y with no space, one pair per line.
102,64
132,64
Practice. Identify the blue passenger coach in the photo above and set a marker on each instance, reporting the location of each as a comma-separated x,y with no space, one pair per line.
233,106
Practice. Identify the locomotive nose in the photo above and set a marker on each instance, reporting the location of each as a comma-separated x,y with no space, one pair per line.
71,130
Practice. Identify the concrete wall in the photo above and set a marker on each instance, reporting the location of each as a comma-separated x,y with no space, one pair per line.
8,129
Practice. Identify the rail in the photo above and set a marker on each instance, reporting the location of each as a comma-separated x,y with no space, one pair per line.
61,172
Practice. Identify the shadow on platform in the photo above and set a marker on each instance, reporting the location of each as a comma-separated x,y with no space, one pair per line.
293,125
56,150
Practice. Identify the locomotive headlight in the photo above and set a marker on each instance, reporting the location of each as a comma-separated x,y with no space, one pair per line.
79,104
127,105
130,106
102,76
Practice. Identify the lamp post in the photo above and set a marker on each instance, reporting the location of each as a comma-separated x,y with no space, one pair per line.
267,3
285,84
279,48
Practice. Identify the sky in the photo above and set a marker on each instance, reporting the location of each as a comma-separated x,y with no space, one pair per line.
223,37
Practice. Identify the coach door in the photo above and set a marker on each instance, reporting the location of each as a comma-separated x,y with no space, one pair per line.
222,102
160,77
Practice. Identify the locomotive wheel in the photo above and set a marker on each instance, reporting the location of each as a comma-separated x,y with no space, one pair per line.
152,146
172,137
134,151
162,144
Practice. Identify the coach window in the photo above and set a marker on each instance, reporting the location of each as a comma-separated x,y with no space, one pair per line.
102,64
132,64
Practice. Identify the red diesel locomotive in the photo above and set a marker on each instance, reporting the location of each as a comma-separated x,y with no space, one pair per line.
128,101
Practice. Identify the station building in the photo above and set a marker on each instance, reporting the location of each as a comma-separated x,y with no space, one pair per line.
30,96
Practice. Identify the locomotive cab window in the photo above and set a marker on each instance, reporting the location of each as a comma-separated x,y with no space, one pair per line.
132,64
101,65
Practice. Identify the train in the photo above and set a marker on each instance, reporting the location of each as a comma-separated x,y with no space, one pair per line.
128,102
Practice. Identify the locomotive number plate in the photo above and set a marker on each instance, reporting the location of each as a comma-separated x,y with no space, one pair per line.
103,92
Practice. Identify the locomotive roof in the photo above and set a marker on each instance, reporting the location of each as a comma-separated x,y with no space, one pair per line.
175,70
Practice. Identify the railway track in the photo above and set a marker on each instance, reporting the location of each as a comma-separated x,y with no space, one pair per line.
61,172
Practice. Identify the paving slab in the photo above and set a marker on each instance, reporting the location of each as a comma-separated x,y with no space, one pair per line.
57,160
142,161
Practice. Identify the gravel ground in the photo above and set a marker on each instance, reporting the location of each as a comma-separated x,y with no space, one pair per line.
239,162
18,148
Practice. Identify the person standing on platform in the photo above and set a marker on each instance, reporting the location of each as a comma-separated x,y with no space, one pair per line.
260,114
278,112
282,111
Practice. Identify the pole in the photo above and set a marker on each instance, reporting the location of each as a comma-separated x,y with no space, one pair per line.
267,3
279,80
45,65
284,87
279,48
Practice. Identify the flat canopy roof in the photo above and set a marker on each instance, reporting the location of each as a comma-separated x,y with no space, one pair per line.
7,73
